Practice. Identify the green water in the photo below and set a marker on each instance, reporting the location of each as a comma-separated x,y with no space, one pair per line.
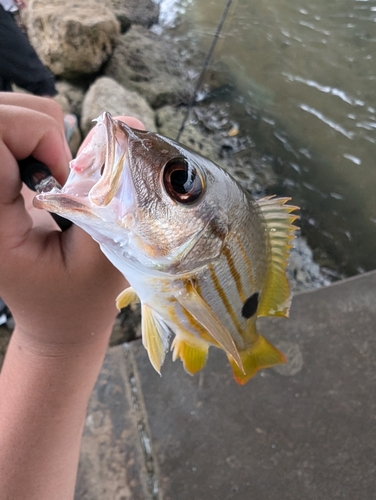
303,77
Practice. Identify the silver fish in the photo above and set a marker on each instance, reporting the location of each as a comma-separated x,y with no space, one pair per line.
201,255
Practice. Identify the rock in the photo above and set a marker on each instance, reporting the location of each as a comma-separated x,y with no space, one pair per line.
144,12
107,95
127,326
72,39
144,62
169,120
303,273
70,97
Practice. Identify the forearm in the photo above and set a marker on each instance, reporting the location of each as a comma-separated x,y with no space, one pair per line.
43,401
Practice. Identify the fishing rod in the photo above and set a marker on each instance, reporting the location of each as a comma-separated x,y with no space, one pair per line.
205,66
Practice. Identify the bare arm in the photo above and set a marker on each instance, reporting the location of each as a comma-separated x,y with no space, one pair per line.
61,291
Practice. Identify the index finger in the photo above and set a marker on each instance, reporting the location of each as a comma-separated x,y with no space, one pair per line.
25,132
44,105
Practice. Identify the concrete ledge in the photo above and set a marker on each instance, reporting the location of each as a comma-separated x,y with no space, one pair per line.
304,431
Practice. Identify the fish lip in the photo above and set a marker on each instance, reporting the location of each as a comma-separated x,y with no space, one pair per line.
57,202
117,147
95,174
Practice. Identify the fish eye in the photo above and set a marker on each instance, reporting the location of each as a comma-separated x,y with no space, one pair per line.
182,181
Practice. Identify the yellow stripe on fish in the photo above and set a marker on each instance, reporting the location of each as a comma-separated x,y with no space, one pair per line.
222,295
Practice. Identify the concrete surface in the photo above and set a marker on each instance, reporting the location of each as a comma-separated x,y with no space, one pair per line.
306,431
112,463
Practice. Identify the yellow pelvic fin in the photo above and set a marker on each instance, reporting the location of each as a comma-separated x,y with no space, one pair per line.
193,355
154,338
200,310
276,297
126,297
262,354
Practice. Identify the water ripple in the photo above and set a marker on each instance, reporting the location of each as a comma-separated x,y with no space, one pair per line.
326,89
327,121
352,158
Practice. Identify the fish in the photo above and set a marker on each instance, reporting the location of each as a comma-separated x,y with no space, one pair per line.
203,258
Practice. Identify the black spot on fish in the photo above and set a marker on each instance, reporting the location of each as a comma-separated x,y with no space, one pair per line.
250,306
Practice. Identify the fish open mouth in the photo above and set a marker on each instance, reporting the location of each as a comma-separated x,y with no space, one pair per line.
97,175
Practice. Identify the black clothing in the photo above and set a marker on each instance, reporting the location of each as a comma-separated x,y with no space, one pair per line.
19,63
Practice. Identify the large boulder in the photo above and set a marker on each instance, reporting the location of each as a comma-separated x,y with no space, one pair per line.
70,37
145,62
107,95
144,12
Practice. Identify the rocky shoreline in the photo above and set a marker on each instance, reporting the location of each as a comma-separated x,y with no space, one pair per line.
105,57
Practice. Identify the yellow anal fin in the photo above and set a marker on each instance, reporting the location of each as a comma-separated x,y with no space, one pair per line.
126,297
192,301
193,355
276,296
154,338
262,354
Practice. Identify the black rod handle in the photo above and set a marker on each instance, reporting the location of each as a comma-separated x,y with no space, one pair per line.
33,173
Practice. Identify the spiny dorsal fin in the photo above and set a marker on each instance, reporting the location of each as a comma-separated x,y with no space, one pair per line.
154,337
193,354
276,299
192,301
126,297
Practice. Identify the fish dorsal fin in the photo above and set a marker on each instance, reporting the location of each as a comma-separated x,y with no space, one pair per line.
193,354
276,298
154,337
126,297
191,300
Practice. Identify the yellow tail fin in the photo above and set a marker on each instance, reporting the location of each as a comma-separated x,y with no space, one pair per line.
260,355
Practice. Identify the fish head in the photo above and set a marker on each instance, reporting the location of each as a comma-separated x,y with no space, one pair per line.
147,200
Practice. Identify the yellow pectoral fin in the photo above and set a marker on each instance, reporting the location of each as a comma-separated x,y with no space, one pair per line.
126,297
262,354
154,338
200,310
276,299
193,355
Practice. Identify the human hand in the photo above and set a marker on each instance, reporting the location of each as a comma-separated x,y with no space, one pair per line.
61,290
59,286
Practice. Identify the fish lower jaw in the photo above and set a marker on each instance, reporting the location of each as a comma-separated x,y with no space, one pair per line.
63,204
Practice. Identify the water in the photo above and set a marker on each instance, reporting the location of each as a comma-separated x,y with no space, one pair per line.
304,75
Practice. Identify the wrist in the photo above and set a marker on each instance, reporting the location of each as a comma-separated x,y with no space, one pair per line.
54,332
74,350
60,379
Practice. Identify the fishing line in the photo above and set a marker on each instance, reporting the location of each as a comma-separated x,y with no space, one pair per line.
205,66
